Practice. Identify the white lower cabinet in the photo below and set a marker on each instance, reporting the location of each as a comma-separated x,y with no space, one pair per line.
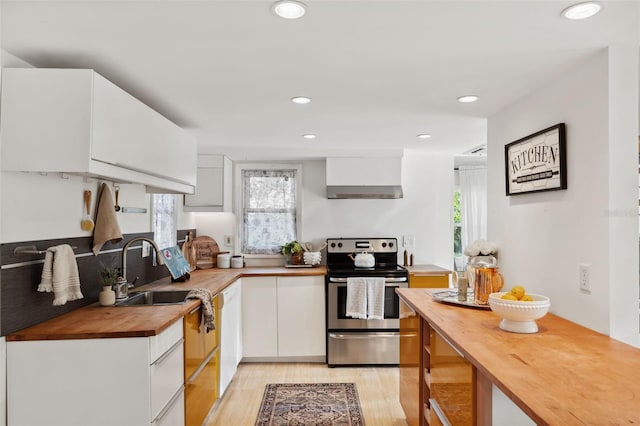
283,318
230,333
259,317
102,382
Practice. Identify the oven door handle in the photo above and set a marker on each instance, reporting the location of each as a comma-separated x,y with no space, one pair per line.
386,285
361,336
386,280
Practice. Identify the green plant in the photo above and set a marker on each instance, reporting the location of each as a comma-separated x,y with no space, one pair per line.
292,247
108,276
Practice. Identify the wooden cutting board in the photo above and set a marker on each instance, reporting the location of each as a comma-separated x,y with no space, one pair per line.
206,252
188,251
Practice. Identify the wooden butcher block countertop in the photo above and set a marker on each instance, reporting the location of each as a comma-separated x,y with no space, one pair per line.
429,270
94,321
564,374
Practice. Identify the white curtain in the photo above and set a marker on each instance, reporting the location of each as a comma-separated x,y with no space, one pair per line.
473,203
164,219
268,211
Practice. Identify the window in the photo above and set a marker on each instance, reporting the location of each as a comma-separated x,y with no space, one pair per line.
457,230
164,219
269,209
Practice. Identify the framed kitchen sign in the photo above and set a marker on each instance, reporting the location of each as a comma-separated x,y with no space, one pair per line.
537,162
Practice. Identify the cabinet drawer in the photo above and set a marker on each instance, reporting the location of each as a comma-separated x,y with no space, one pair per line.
161,343
429,281
202,391
166,377
198,343
173,412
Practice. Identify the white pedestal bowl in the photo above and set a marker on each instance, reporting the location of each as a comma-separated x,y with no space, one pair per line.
518,316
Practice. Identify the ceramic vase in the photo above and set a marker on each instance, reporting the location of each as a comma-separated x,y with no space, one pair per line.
107,296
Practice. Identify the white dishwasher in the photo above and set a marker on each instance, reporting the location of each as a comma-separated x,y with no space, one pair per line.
231,334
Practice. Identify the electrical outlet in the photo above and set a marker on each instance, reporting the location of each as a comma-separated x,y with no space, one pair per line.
584,278
228,240
408,241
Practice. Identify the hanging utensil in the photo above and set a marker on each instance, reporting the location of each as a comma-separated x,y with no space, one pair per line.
117,207
87,223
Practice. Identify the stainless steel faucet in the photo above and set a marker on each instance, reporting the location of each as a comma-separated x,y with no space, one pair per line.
124,255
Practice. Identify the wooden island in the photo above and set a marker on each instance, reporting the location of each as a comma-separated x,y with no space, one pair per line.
564,374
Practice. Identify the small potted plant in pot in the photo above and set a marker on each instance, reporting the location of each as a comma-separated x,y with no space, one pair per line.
294,251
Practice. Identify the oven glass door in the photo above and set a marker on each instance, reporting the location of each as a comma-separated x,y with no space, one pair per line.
337,305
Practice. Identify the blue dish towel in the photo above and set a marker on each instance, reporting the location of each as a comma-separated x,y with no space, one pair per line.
208,315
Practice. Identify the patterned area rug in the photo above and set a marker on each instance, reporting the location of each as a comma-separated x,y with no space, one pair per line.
310,404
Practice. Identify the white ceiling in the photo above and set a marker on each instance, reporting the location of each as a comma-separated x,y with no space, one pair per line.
379,72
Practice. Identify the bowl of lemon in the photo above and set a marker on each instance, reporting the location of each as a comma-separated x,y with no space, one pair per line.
519,309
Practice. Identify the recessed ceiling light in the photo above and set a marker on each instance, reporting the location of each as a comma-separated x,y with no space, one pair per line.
300,100
582,10
289,9
468,98
309,136
423,136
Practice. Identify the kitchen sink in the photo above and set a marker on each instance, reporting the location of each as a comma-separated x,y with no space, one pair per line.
146,298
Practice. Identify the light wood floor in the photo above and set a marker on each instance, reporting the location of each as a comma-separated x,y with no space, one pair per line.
377,389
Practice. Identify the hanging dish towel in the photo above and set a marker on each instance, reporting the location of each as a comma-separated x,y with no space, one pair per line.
60,275
208,316
375,298
356,298
107,227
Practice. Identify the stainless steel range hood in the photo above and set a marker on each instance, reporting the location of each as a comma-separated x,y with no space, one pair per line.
361,191
364,178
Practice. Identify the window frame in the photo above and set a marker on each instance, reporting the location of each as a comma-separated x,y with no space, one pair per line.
239,167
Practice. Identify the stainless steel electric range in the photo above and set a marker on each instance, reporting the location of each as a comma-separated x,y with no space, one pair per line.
353,341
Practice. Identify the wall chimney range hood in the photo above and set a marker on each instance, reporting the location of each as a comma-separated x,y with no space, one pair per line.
364,178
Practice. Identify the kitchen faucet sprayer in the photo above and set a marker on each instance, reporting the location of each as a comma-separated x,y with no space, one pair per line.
123,285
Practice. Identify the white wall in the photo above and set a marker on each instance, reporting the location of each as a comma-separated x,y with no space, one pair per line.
544,236
216,226
426,211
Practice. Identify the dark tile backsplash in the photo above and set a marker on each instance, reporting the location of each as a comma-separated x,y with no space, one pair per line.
21,305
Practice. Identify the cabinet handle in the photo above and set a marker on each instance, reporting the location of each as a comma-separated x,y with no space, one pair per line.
195,310
436,408
169,405
202,365
167,353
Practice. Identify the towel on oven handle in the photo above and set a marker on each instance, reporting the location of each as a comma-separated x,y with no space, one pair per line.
375,298
356,298
365,298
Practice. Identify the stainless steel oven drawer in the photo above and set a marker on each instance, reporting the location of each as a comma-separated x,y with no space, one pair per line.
352,348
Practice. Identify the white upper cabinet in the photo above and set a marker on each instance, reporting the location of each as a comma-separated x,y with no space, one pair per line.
76,121
213,187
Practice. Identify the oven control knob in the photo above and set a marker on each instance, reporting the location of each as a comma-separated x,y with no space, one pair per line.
333,245
339,244
390,244
384,244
